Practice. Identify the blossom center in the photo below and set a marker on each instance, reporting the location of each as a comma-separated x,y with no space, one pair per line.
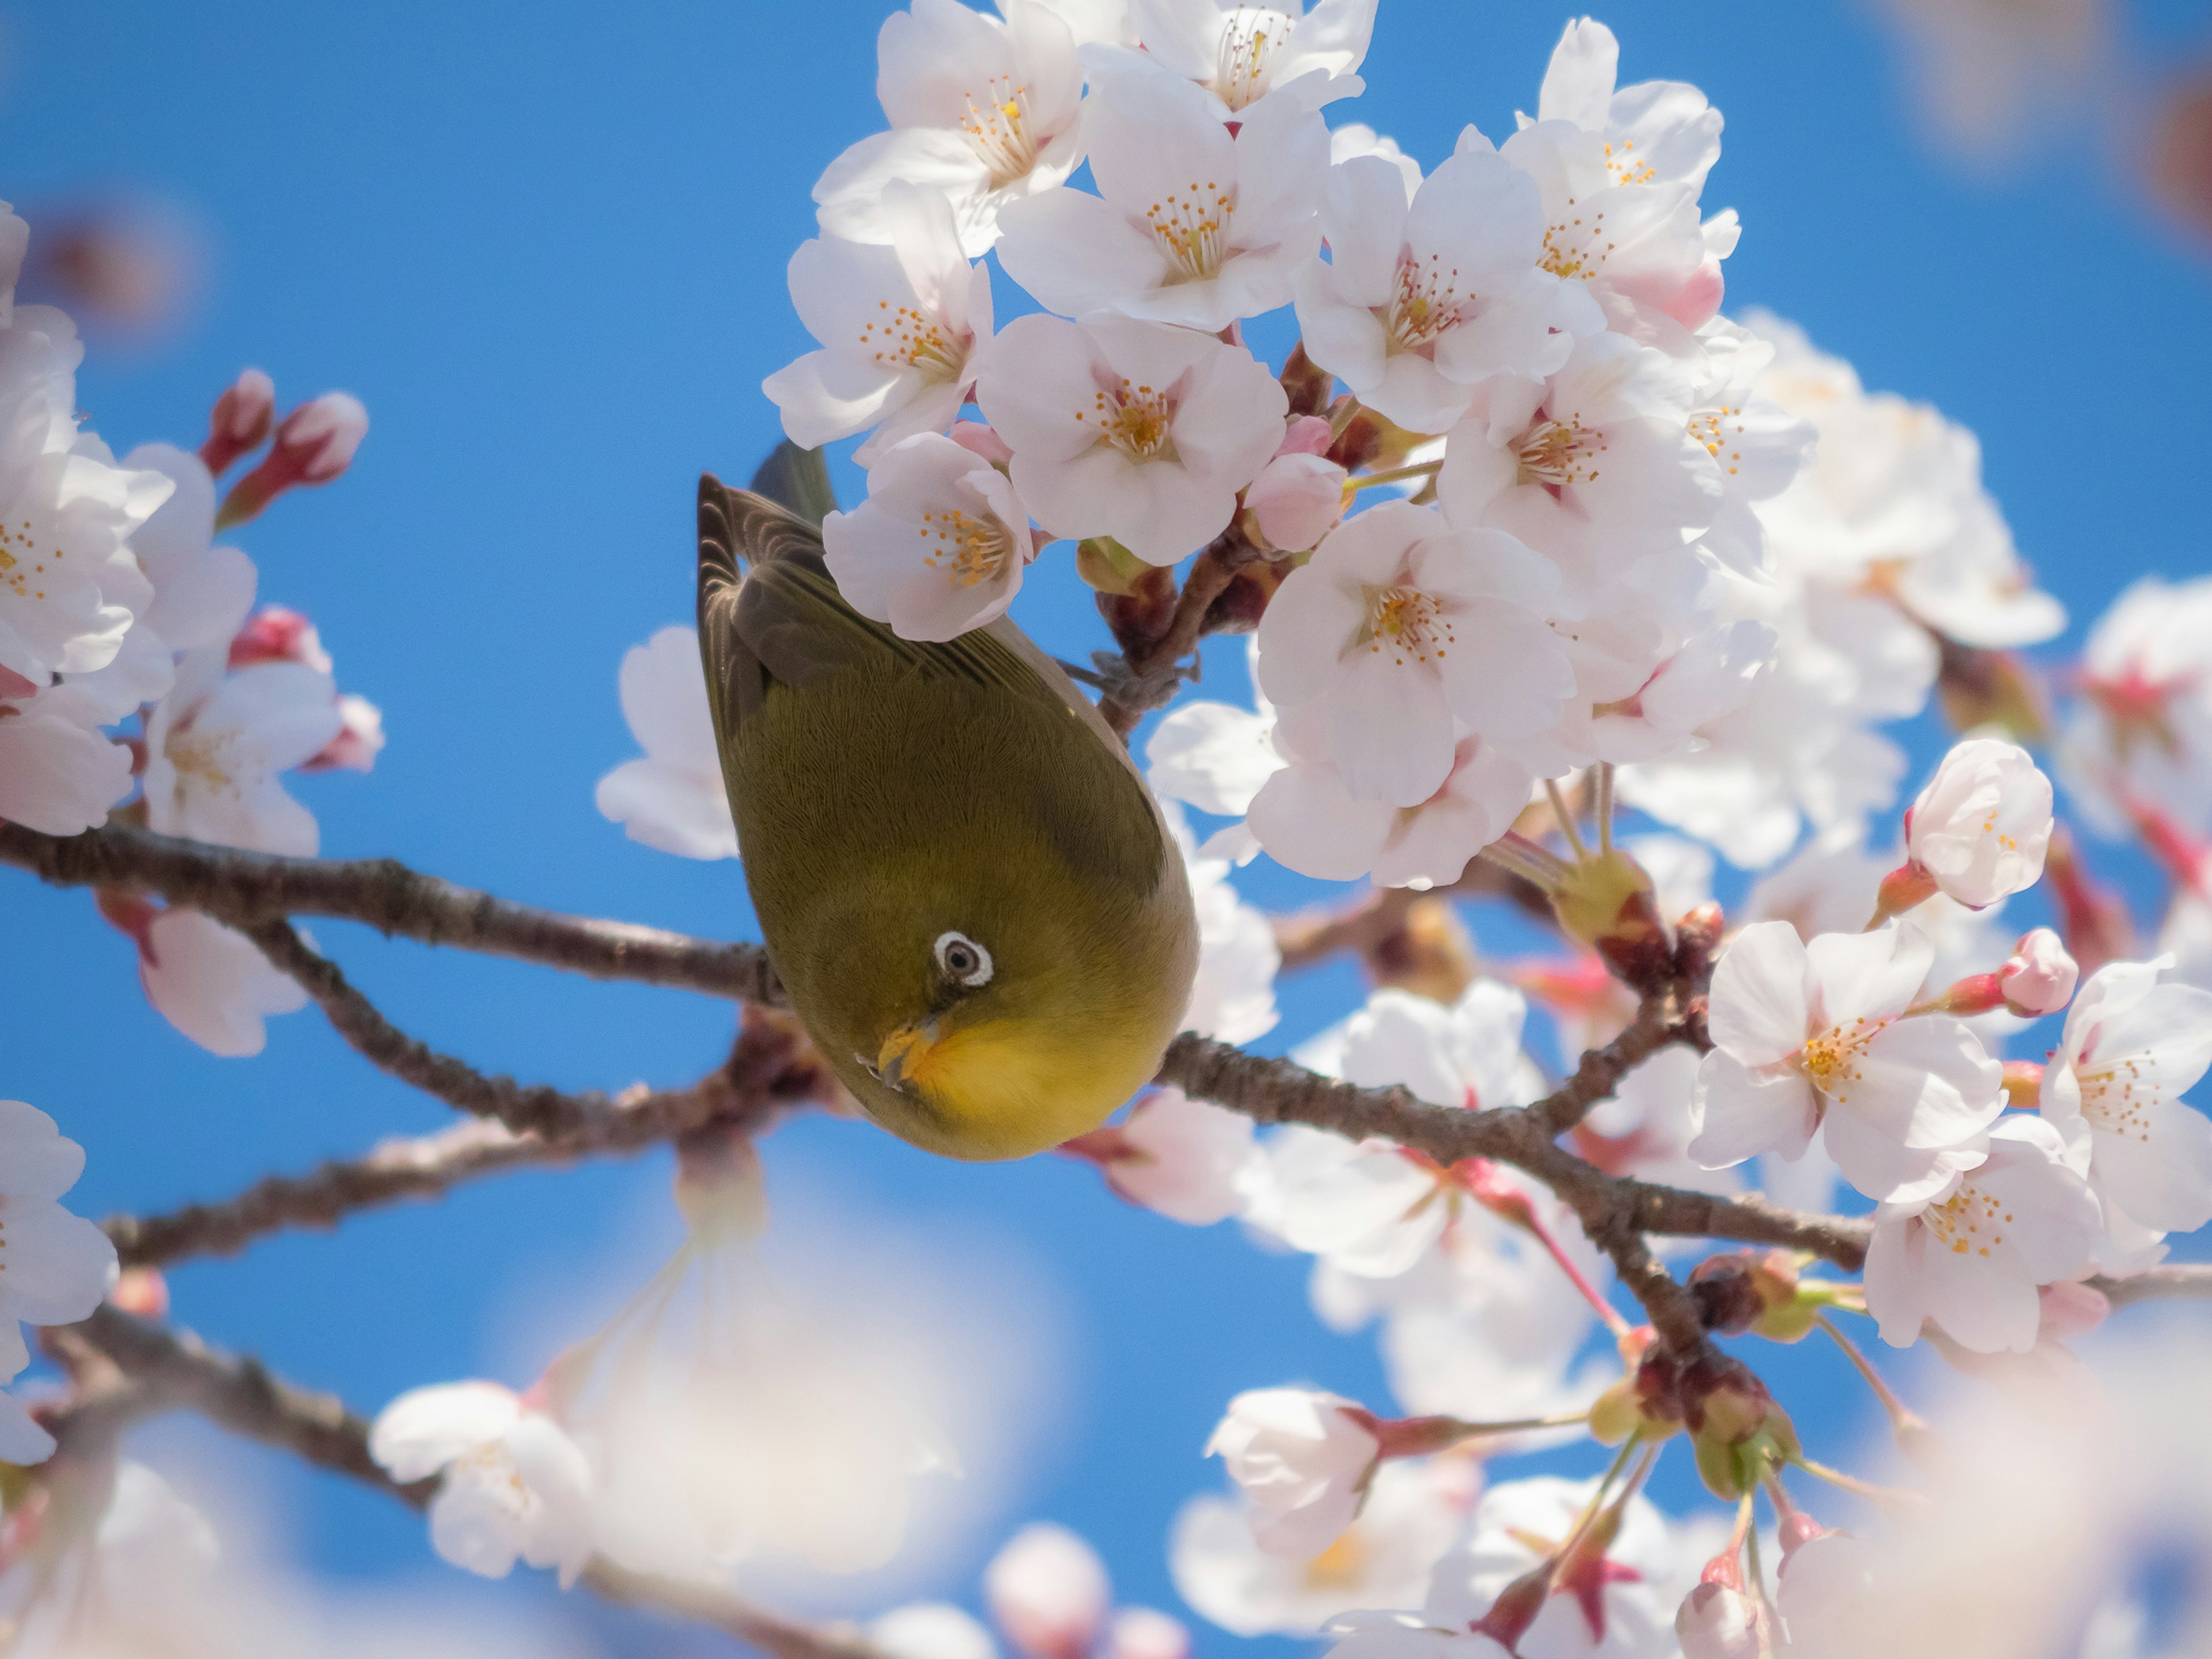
965,550
1969,1222
1192,230
1427,302
1832,1059
1558,453
1411,626
2116,1099
904,337
200,758
1136,420
1252,38
21,565
1624,167
1341,1565
998,131
1576,246
1716,429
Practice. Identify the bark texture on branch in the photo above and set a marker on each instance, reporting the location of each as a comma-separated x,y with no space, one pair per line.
242,888
169,1370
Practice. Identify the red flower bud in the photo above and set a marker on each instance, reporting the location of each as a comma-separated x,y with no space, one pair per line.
315,445
242,418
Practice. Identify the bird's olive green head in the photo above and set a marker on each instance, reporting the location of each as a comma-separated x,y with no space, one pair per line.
983,1009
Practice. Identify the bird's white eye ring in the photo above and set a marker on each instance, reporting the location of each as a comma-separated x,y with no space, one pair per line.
963,960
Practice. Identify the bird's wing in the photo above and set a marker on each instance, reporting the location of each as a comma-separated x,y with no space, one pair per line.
782,619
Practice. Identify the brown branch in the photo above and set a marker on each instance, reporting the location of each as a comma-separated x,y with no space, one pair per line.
243,888
1151,665
171,1369
2168,1283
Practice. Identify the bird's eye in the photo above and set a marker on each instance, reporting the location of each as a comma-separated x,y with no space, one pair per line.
963,960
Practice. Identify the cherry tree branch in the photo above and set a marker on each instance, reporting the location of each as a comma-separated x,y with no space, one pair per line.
2171,1282
243,888
167,1370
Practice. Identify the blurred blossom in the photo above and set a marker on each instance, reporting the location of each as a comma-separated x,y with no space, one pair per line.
1048,1592
930,1630
1303,1460
1989,73
1147,1633
673,797
131,267
62,1265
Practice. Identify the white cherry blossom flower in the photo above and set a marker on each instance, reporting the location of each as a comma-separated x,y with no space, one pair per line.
938,547
1595,467
1972,1256
1131,430
1657,132
1356,138
1813,1035
1716,1622
1233,998
59,772
1048,1592
2143,722
673,797
58,1265
212,983
201,592
1382,1560
1297,500
1980,827
1191,225
1186,1159
1422,300
1758,445
1247,56
515,1485
215,745
985,111
1399,627
359,742
1215,755
930,1630
66,511
1308,820
1302,1459
1146,1633
1643,1128
2131,1048
900,324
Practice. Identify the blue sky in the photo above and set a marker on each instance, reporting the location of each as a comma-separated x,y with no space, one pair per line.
545,243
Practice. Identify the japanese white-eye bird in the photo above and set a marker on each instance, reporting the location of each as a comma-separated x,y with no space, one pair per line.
974,902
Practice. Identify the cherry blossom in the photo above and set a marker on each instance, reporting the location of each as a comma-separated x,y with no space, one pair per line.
2038,978
1131,430
1382,1560
930,1630
60,1265
1759,446
938,547
1297,498
900,324
1233,998
1420,300
1302,1460
1645,1127
68,511
1978,831
982,110
1352,139
1657,132
1191,225
1247,57
2131,1047
1187,1159
2143,722
514,1487
59,772
1048,1590
217,743
673,797
1971,1255
1814,1036
1401,625
1146,1633
1215,755
211,982
201,592
1717,1622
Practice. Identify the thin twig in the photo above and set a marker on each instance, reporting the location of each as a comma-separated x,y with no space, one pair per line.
1151,669
242,888
173,1370
2162,1284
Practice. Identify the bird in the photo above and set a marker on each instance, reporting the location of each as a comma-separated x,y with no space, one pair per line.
977,908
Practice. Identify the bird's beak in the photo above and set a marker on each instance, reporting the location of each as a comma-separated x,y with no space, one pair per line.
905,1053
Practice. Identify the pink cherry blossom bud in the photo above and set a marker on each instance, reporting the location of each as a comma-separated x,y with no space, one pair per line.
315,445
1048,1590
273,634
1980,827
2039,977
1303,1459
2068,1310
1716,1622
242,418
358,742
978,439
1693,306
1297,499
1147,1633
143,1292
1306,435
